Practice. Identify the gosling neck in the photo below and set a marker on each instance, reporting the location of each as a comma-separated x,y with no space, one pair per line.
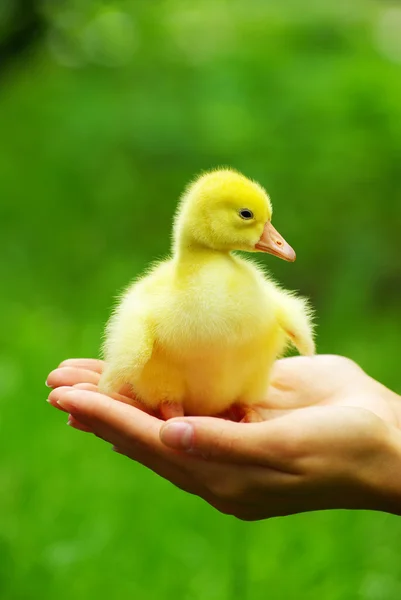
187,249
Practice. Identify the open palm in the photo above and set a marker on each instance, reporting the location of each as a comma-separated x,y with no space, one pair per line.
327,440
324,380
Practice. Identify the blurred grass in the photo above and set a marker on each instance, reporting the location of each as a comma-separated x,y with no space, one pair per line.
102,123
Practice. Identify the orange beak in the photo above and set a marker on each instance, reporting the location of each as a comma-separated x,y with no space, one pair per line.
272,243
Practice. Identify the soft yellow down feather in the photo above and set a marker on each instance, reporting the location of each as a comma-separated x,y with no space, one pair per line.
203,328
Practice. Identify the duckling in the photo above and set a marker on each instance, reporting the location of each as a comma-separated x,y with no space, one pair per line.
199,333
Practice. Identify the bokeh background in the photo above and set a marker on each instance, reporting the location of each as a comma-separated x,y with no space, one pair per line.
107,109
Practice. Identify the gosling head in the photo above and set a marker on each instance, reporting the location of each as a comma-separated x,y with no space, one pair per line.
225,211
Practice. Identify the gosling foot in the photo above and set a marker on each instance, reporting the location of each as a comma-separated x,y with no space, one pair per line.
251,415
169,410
241,413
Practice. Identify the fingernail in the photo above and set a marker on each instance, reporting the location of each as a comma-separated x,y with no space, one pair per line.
47,385
177,435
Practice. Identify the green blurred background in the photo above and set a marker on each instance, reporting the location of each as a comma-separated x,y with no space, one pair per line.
106,111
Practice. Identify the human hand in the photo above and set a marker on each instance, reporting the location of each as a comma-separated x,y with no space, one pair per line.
331,440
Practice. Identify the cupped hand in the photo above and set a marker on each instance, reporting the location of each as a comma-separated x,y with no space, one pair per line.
331,439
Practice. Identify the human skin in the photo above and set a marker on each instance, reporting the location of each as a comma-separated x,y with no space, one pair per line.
331,439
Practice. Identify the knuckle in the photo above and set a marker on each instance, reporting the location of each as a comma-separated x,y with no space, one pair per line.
347,363
336,360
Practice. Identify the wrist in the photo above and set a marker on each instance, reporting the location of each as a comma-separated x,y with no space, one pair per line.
383,479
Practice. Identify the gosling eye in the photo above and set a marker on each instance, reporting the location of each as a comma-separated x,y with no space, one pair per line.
245,214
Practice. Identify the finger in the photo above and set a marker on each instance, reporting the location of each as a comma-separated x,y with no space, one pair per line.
55,395
91,387
218,483
198,480
291,382
290,373
182,479
71,376
75,424
58,392
120,397
118,422
133,432
95,365
92,364
163,468
188,472
139,435
122,425
218,439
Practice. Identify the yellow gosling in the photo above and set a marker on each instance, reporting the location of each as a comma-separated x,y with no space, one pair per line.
199,333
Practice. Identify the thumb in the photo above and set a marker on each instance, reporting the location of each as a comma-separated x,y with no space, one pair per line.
222,440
